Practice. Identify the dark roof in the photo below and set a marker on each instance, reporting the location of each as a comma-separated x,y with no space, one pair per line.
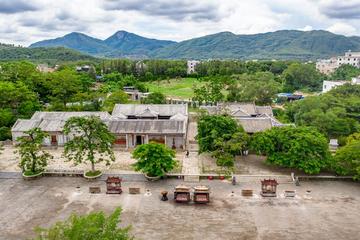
147,126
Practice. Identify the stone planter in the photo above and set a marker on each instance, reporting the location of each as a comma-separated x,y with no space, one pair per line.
32,177
92,177
151,179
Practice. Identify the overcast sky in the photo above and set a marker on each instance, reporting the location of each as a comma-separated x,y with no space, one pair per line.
27,21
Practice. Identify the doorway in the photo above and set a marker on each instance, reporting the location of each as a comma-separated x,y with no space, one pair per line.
139,140
53,140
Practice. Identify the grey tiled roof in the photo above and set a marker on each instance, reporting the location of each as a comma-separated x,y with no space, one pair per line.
161,109
147,126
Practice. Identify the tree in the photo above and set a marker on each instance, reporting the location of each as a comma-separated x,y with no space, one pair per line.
298,76
154,159
155,98
347,159
303,148
345,72
115,98
89,137
64,85
33,159
210,92
93,226
213,129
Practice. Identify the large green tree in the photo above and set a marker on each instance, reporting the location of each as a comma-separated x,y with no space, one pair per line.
115,98
155,98
93,226
302,148
212,128
33,159
345,72
298,76
154,159
347,158
90,141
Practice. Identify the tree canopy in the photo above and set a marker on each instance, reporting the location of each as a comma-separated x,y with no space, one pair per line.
302,148
93,226
154,159
33,160
155,98
90,140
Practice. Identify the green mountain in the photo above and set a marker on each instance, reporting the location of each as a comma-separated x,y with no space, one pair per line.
129,44
286,44
76,41
121,44
58,54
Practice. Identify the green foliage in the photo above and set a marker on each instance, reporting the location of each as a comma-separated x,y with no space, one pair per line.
260,88
345,72
93,226
155,98
298,76
33,160
335,113
211,128
347,159
154,159
303,148
210,92
115,98
90,138
54,55
224,159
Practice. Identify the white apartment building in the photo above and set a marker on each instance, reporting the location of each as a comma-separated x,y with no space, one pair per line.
351,58
328,66
191,64
328,85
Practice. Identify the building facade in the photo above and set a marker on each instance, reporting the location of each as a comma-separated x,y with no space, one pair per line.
251,117
191,64
328,66
132,125
328,85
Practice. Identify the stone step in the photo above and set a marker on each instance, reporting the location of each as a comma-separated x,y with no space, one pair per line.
191,178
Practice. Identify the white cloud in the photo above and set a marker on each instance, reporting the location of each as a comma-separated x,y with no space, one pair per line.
342,28
174,20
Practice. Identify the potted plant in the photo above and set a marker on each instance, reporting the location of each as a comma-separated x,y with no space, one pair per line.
33,160
154,160
90,138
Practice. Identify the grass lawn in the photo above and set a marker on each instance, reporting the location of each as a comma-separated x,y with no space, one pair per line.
181,88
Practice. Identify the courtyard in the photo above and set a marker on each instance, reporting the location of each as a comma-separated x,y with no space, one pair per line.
329,211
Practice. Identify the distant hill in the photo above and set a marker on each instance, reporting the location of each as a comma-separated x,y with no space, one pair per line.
10,52
285,44
120,44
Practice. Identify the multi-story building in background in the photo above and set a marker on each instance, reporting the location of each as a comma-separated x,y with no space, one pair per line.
328,66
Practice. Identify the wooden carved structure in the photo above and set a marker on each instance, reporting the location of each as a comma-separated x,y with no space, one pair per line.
182,194
268,187
113,185
201,194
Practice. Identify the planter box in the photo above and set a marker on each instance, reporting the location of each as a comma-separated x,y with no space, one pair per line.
32,177
134,190
151,179
94,190
247,192
92,177
289,193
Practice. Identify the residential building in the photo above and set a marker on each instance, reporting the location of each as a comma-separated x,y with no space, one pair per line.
191,64
132,124
251,117
134,94
351,58
328,85
46,69
327,66
51,123
135,124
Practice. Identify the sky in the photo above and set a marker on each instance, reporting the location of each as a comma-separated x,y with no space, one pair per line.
23,22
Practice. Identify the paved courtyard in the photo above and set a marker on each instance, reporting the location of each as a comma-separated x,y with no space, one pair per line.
330,211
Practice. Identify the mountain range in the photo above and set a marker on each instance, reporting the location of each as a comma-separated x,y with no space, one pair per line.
283,44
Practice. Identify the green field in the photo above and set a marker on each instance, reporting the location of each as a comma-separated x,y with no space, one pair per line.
181,88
